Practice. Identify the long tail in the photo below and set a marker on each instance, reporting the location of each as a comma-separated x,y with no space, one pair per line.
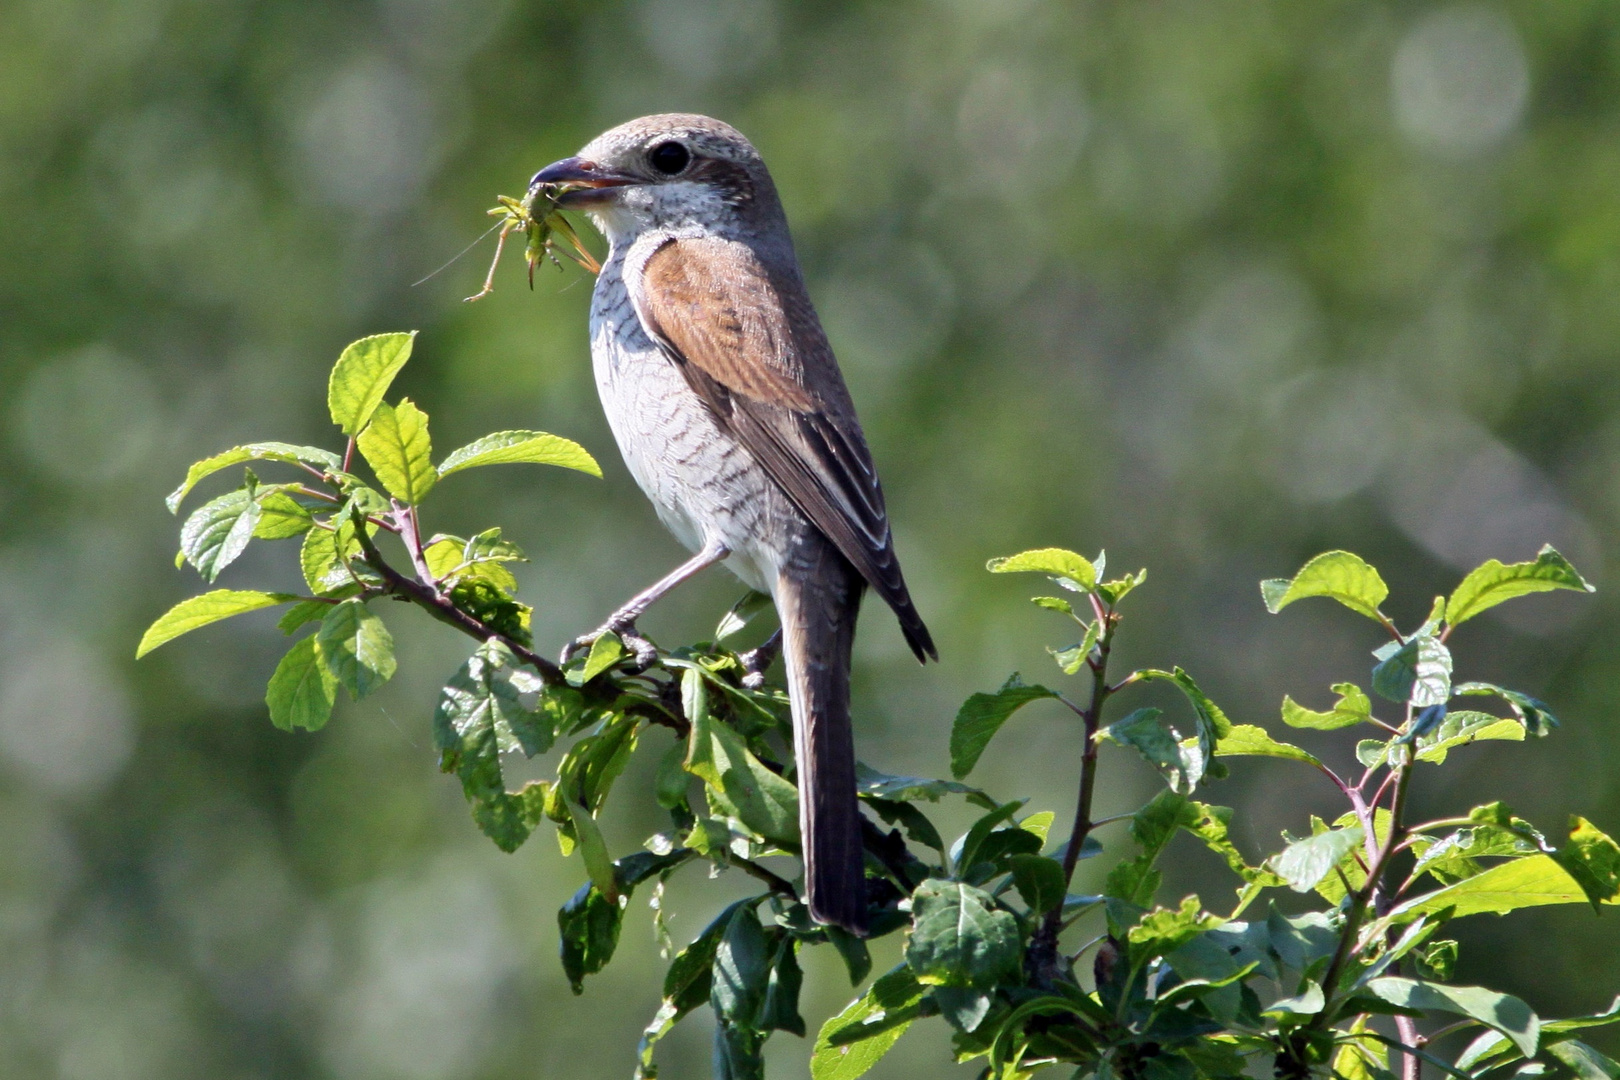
818,596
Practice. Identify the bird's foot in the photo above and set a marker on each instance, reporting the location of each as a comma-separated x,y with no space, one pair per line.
645,652
756,661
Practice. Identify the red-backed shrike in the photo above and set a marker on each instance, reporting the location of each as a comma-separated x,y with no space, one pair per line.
731,414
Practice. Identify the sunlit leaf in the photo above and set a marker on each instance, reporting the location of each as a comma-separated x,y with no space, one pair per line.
397,447
1305,862
1504,1012
281,517
302,691
1592,859
1461,728
1247,739
764,801
1353,707
199,611
1494,582
513,447
474,707
362,376
216,533
357,648
1072,571
1418,671
264,451
1337,574
1529,882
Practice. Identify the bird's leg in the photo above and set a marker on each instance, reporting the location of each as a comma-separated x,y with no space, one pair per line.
756,660
623,621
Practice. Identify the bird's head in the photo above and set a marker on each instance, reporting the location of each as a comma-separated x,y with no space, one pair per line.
669,171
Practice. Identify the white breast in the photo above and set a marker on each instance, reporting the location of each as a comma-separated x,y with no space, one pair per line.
703,484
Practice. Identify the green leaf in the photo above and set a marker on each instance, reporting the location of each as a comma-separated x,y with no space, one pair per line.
357,648
982,715
1353,707
606,651
1593,860
1504,1012
1213,726
884,786
1074,572
1492,582
1584,1061
1162,930
1536,717
513,447
1178,759
281,517
1418,672
959,937
742,613
399,451
781,1009
852,1042
742,966
1463,727
1529,882
264,451
199,611
1305,862
325,572
690,974
474,707
362,376
216,533
302,691
1039,881
1336,574
588,933
1247,739
592,848
765,803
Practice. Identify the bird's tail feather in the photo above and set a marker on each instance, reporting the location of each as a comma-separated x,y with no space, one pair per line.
818,604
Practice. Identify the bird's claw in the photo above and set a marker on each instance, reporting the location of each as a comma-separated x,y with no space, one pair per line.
756,661
644,651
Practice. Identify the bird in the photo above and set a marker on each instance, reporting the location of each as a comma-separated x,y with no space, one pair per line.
732,416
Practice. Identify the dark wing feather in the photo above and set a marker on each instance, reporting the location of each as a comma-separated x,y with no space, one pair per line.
751,347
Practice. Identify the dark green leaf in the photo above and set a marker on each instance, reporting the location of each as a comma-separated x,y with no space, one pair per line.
199,611
884,786
265,451
781,1009
216,533
963,1007
1493,582
1418,672
398,449
1461,728
1353,707
1070,570
588,928
982,715
688,980
362,376
302,691
512,447
1503,1012
1336,574
1039,881
737,1053
1584,1061
742,967
1439,960
356,647
1178,759
959,937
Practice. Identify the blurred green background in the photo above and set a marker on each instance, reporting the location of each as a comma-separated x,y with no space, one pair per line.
1214,285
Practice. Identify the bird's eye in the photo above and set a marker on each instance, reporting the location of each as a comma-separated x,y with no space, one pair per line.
669,158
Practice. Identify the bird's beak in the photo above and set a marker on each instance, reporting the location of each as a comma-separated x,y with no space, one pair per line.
590,181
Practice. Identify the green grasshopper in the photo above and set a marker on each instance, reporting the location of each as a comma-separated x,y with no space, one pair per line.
537,216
